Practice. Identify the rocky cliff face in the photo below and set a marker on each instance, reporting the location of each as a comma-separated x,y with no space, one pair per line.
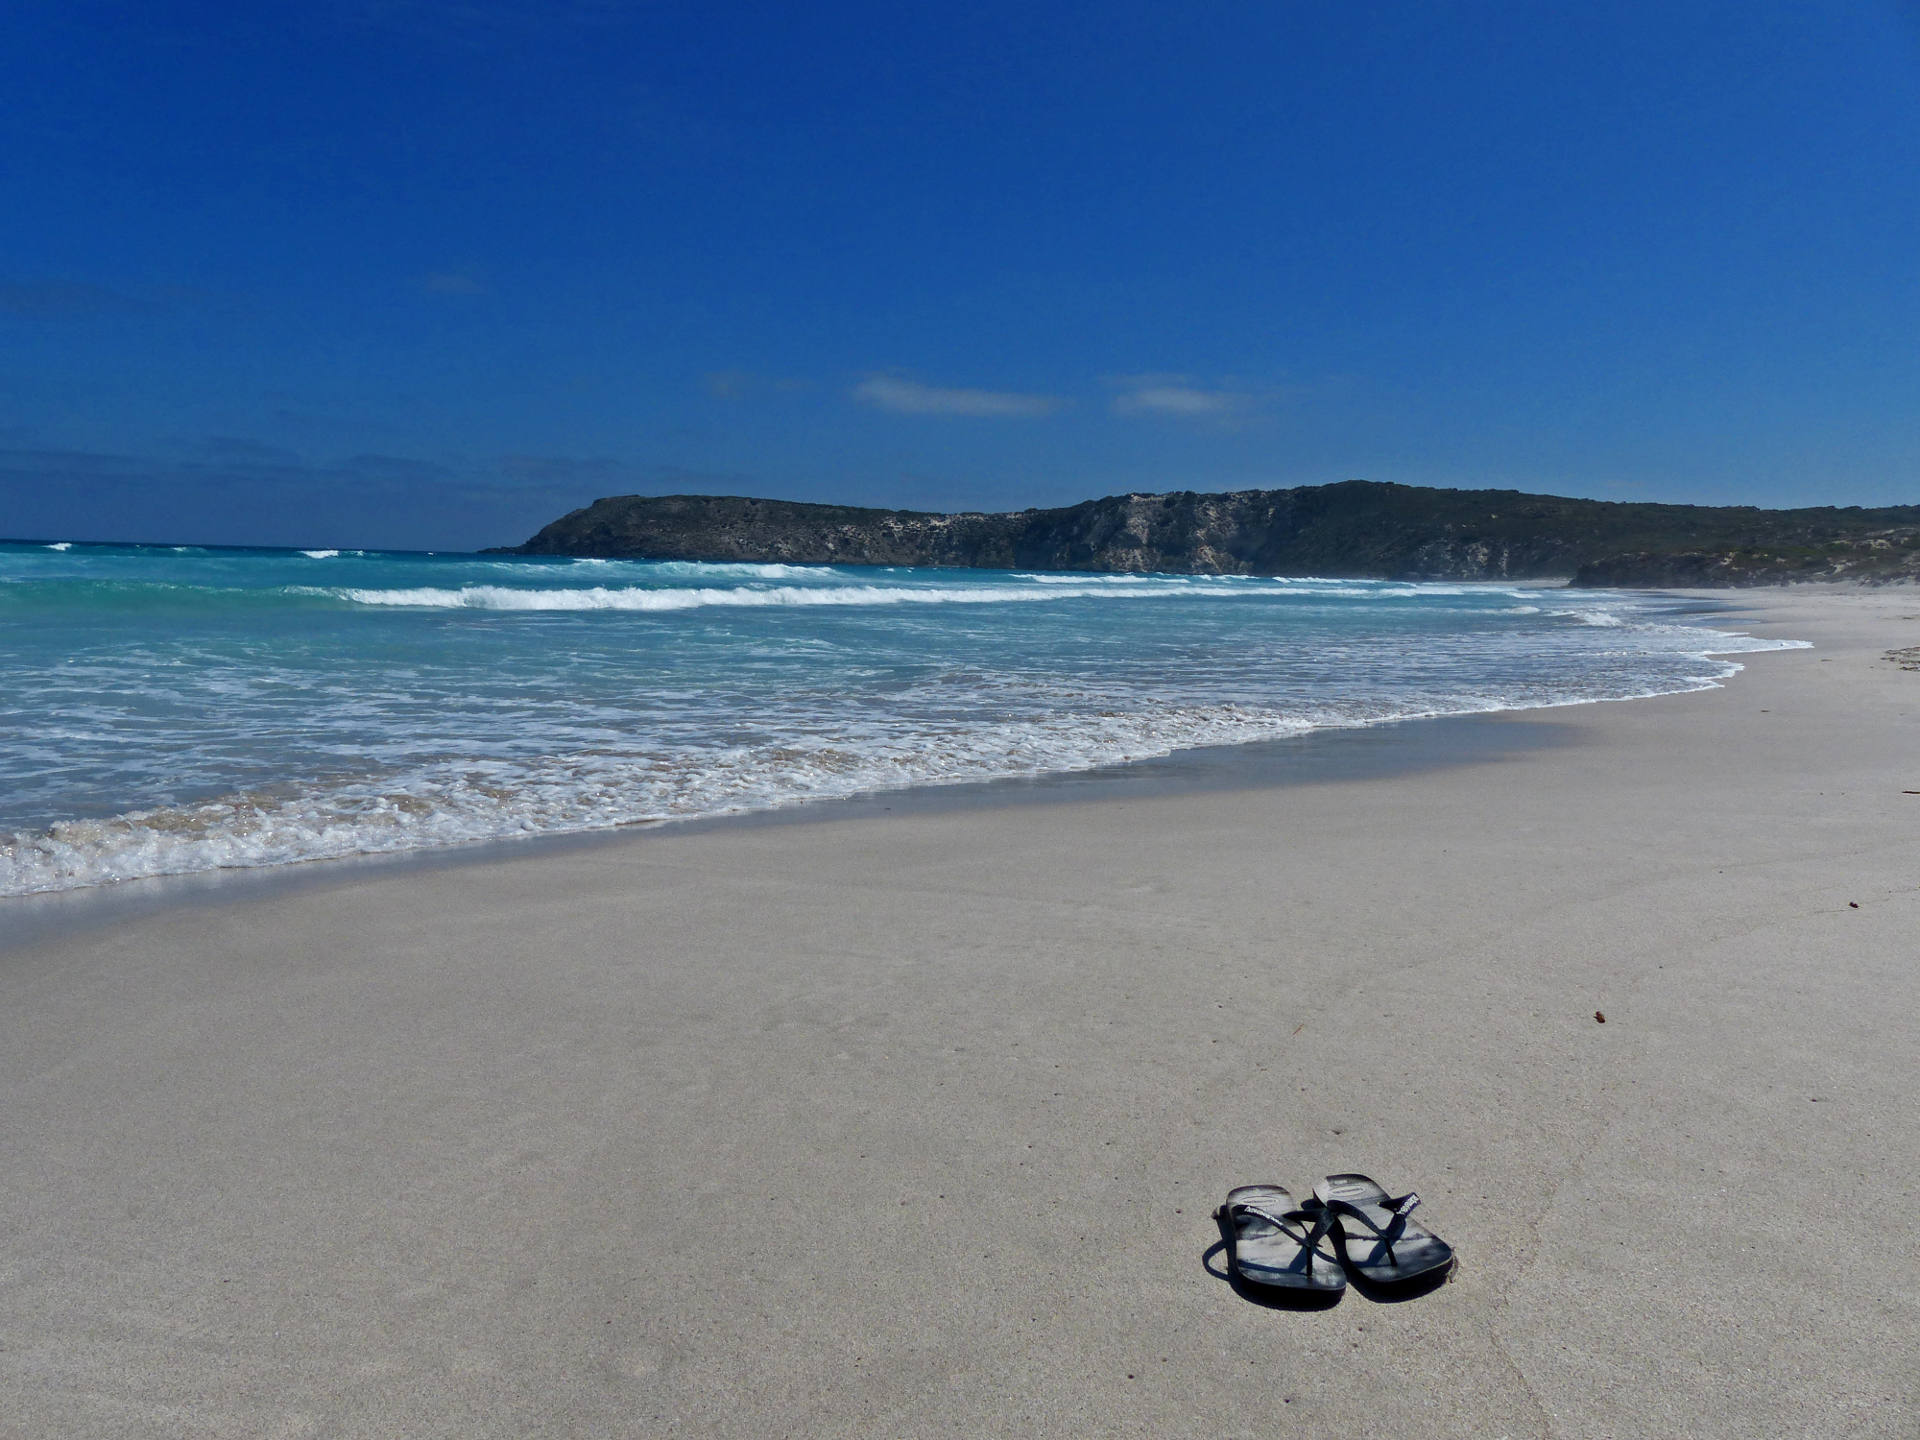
1352,529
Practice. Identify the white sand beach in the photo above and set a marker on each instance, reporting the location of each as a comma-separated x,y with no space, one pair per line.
912,1124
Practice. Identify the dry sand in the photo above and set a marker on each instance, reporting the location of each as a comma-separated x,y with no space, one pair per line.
911,1125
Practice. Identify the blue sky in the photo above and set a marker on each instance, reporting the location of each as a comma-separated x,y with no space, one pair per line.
430,272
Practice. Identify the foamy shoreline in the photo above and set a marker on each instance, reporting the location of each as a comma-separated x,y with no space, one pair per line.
174,715
911,1125
474,803
1373,752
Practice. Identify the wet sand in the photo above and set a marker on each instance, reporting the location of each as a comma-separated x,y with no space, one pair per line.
911,1123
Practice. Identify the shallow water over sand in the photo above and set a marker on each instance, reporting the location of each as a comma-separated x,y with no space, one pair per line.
173,709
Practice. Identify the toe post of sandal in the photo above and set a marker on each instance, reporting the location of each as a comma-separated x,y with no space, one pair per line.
1374,1235
1278,1244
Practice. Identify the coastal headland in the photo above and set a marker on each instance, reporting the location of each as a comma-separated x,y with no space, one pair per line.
911,1124
1355,529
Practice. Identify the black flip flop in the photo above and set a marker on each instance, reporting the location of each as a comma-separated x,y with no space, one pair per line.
1374,1235
1273,1242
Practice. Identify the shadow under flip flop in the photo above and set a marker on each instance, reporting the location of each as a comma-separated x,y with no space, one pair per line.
1406,1290
1274,1298
1270,1297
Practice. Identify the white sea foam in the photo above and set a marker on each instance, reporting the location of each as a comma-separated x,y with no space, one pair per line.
600,597
61,545
446,734
320,554
463,802
1290,584
736,570
1040,578
1604,618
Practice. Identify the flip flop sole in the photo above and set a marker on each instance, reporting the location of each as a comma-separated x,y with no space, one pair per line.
1261,1253
1416,1251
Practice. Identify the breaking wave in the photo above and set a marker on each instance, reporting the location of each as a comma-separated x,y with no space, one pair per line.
173,709
508,597
461,802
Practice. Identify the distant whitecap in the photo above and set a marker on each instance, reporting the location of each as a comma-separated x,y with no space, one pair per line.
599,597
242,712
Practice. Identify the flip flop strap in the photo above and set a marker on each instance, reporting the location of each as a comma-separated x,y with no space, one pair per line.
1386,1236
1399,1208
1290,1223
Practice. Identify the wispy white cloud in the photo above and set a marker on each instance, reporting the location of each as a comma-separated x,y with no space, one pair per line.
910,397
223,489
1179,396
56,299
562,470
455,282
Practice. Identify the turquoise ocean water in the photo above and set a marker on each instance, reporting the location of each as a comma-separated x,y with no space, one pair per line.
173,709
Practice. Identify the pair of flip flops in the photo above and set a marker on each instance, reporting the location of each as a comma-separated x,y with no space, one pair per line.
1272,1241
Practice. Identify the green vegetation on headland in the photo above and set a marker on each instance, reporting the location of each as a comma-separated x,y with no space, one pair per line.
1358,529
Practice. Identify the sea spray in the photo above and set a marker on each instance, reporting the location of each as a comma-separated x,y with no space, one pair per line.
178,710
